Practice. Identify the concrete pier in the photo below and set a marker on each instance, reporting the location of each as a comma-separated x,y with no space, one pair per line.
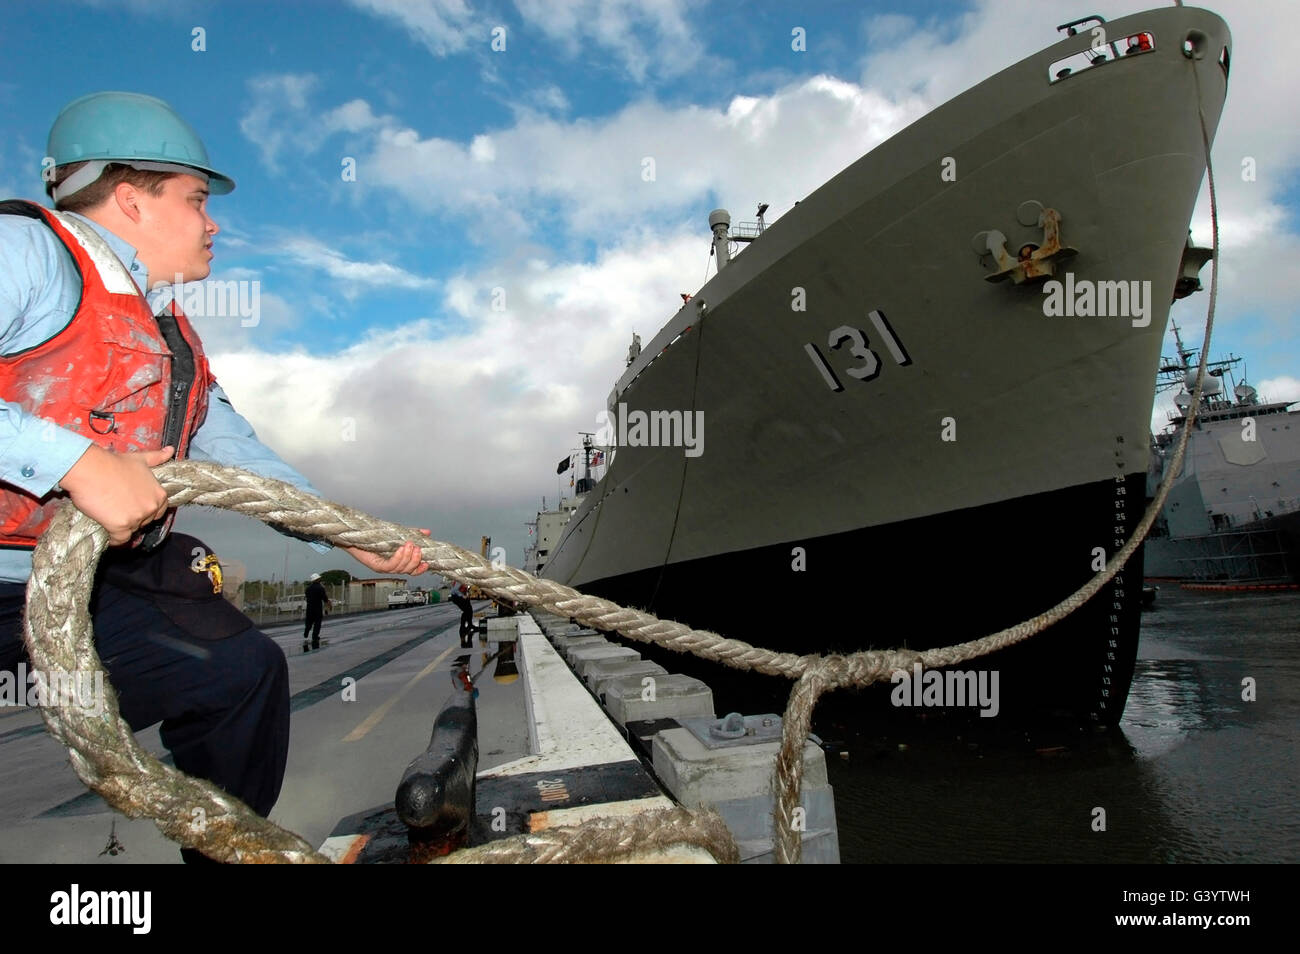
363,704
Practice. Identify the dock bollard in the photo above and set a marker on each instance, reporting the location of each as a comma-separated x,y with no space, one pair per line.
435,798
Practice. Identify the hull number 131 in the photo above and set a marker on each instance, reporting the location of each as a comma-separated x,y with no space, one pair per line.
856,342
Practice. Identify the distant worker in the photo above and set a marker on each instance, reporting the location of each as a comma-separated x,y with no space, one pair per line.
317,602
460,596
1140,43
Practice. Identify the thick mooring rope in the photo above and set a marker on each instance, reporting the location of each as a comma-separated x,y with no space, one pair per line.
101,746
610,840
105,755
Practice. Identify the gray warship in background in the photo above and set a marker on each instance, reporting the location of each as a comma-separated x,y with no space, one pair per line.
1233,512
900,446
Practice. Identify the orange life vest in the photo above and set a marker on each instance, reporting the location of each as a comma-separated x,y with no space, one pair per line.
115,373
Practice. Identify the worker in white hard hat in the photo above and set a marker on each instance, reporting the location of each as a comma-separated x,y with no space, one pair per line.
318,602
102,378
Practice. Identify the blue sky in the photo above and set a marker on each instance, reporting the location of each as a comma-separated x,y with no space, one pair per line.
379,366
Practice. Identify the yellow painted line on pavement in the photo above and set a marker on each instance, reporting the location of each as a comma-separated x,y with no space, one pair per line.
377,716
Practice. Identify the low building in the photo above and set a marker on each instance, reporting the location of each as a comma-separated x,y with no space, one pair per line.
373,594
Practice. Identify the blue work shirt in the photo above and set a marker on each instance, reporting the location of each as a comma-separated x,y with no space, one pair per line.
39,292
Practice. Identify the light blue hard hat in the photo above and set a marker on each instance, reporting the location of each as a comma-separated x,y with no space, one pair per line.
141,131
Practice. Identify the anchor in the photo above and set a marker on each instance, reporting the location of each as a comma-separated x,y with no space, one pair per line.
1033,263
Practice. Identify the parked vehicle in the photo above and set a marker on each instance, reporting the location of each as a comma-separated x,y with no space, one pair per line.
405,598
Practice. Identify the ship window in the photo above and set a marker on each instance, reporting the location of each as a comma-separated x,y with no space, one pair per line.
1103,53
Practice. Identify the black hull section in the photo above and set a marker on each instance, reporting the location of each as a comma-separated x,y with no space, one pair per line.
926,583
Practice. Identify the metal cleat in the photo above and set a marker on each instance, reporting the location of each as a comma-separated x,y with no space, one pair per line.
435,798
1033,263
114,847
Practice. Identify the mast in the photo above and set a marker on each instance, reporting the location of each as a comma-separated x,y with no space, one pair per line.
584,483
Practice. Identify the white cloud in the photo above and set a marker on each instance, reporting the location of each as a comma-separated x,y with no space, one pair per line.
279,116
1284,387
448,432
353,116
649,37
549,99
283,125
443,26
482,150
315,254
594,173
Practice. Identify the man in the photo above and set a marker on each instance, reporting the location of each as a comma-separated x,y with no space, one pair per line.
317,602
102,378
460,597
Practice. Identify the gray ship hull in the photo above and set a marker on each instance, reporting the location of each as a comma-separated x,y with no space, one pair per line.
1262,552
981,412
1233,512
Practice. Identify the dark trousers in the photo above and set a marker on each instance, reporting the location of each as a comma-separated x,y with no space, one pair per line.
466,615
312,629
223,703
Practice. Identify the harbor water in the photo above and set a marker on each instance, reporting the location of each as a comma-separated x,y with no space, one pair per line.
1196,773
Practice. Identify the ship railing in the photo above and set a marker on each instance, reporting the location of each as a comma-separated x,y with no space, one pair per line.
1094,55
